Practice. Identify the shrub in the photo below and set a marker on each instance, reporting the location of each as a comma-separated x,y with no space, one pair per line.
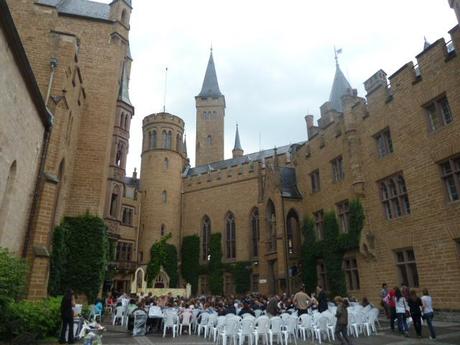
13,272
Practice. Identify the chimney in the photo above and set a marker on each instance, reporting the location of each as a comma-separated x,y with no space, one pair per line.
309,120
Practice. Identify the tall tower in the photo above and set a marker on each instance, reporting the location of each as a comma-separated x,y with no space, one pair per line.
210,113
163,160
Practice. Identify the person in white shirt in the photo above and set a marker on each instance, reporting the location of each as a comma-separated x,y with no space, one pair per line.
427,303
401,307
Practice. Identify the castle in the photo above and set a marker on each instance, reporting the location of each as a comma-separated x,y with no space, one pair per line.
397,150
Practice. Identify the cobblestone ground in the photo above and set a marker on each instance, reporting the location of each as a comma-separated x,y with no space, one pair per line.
448,334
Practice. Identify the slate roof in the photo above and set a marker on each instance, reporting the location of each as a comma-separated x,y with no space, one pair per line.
84,8
251,157
210,86
289,183
340,87
132,182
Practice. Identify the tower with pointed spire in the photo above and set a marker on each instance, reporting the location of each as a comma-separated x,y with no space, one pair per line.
210,114
237,149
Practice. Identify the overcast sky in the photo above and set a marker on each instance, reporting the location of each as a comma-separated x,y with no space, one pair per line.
274,59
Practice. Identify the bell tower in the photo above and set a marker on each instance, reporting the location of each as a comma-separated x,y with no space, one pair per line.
210,114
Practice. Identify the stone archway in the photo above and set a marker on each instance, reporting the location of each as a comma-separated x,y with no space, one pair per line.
161,281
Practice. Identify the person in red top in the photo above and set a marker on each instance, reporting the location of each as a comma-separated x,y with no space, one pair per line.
392,304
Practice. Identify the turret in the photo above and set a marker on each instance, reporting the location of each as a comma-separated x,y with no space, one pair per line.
210,114
455,4
163,161
237,149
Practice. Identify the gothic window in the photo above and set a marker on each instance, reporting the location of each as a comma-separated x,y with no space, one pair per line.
343,212
209,140
321,274
292,231
205,237
230,236
179,142
9,191
124,17
165,139
394,197
169,140
255,232
153,139
164,197
271,226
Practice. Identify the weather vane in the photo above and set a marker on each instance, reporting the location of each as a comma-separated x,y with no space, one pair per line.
336,54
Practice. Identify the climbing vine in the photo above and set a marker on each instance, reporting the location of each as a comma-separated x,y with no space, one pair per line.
331,249
162,254
190,254
216,272
241,272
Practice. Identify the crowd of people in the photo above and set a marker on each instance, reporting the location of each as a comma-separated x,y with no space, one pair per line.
402,304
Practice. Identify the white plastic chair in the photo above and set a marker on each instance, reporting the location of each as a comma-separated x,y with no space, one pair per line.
306,326
285,317
186,321
258,312
203,322
246,315
321,328
218,327
262,326
291,329
212,320
246,331
353,328
370,321
119,315
229,330
276,329
170,321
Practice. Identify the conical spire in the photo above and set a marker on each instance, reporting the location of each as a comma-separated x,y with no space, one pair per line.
340,87
123,93
210,86
237,140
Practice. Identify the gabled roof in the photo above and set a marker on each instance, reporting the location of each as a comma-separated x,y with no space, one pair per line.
237,140
210,86
83,8
289,183
340,87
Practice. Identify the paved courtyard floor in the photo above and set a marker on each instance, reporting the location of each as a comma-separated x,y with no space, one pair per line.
448,334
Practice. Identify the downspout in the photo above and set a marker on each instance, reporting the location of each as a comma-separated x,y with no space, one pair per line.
286,246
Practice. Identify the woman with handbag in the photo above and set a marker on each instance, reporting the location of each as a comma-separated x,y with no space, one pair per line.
415,305
401,308
428,312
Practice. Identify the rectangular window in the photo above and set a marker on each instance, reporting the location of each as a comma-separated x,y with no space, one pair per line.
315,182
450,173
407,267
350,267
128,213
322,274
319,224
439,113
343,213
384,143
337,169
124,251
394,197
255,283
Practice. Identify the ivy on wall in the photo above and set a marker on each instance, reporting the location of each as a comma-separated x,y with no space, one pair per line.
241,272
162,254
331,249
216,272
190,254
79,256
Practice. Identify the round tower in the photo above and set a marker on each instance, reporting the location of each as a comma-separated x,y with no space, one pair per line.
162,164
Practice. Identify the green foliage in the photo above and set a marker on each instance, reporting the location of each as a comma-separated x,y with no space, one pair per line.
57,261
13,272
308,257
332,248
42,318
79,255
190,254
216,273
242,276
163,254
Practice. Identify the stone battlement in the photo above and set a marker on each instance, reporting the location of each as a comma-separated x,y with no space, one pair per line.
163,118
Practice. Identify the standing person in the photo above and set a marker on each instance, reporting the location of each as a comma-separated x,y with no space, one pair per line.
322,299
67,305
301,301
390,301
272,306
342,321
383,293
427,303
415,305
401,307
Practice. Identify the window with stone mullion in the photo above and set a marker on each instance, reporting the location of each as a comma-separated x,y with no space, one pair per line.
451,176
394,197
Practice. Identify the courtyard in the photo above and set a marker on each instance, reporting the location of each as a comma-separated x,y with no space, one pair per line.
448,334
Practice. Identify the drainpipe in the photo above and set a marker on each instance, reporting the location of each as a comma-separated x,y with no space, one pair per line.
286,247
53,65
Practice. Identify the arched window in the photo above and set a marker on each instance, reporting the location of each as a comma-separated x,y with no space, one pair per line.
119,155
271,226
255,232
162,230
169,140
114,200
292,231
205,237
230,236
209,140
9,191
122,115
126,121
164,197
165,139
179,142
166,163
153,140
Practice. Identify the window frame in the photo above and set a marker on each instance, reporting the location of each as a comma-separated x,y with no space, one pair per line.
319,224
230,236
384,137
343,215
406,266
130,215
394,196
321,274
255,232
351,270
338,172
205,237
453,176
436,113
315,181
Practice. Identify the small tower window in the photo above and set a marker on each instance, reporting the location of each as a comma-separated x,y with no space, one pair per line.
153,139
119,156
121,119
209,140
165,139
124,17
164,197
179,142
126,122
169,140
166,163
